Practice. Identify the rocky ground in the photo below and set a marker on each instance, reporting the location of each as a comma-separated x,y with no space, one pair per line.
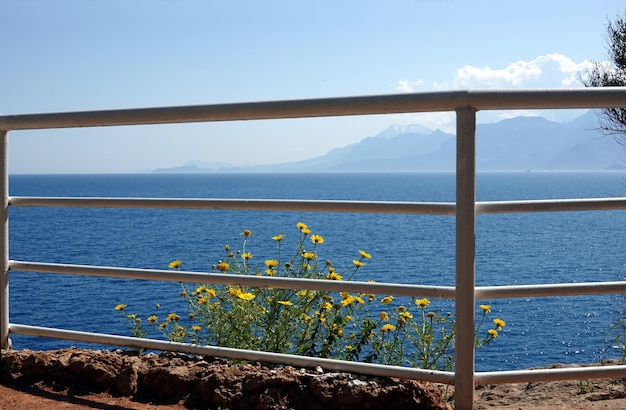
181,381
82,379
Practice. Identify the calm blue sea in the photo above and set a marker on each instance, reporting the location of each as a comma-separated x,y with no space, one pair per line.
511,249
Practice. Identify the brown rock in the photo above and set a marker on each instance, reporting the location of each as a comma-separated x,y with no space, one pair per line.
213,383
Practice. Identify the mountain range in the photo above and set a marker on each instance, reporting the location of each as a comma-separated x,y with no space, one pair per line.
521,143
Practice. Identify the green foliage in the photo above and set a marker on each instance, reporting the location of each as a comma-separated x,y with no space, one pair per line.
585,387
340,325
134,322
611,74
618,341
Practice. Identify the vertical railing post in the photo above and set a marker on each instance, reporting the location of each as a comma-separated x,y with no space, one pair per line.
465,256
4,239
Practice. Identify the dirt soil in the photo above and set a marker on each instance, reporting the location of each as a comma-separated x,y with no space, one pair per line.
100,379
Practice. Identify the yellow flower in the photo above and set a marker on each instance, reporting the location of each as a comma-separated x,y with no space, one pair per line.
285,302
387,328
152,319
234,292
305,231
175,264
486,308
246,256
406,315
309,255
493,333
172,316
203,300
246,296
211,293
348,301
270,272
422,303
386,300
247,233
317,239
132,316
163,325
384,316
334,276
499,323
271,263
223,266
327,305
358,264
365,255
196,328
121,306
302,226
278,238
349,318
359,299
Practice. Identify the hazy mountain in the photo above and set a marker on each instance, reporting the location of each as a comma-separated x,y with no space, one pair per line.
195,166
522,143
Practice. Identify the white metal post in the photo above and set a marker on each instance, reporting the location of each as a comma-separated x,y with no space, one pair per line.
465,256
4,239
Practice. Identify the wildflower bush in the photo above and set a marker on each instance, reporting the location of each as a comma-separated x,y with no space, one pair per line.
341,325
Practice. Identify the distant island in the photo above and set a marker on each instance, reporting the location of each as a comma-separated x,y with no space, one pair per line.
517,144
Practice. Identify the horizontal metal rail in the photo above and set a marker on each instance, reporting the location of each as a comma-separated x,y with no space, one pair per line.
240,354
391,207
541,375
556,289
551,205
441,208
440,292
326,107
480,378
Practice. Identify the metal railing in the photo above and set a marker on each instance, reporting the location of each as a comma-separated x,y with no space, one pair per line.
465,209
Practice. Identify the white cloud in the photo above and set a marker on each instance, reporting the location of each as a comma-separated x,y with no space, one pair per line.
547,71
551,71
405,86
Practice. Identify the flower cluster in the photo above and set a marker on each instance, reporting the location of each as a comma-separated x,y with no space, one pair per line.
342,325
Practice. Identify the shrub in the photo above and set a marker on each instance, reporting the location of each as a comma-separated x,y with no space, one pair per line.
341,325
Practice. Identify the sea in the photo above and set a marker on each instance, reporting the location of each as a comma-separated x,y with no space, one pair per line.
511,249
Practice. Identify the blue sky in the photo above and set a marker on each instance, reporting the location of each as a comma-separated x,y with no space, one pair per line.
70,55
